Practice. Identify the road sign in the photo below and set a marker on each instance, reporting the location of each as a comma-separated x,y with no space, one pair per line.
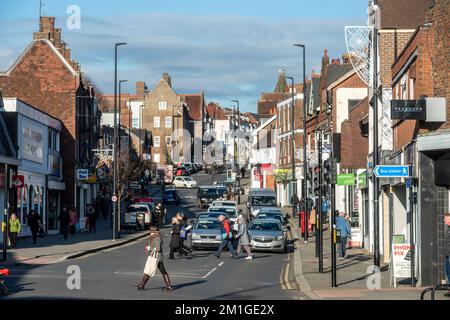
82,174
18,181
346,179
114,199
408,184
392,172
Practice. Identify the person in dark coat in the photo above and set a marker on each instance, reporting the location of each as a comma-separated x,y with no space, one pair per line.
175,239
64,220
184,249
34,222
160,214
92,219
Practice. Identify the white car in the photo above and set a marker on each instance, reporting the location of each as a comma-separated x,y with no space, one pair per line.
184,182
224,203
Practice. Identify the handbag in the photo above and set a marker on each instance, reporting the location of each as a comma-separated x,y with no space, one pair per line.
183,233
151,264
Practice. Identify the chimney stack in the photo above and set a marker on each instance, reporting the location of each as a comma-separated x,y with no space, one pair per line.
47,24
167,78
140,90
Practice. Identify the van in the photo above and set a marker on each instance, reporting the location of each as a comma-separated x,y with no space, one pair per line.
260,198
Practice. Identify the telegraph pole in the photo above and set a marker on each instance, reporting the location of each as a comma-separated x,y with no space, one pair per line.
319,206
376,255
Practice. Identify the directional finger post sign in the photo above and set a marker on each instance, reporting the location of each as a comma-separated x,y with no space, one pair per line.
392,172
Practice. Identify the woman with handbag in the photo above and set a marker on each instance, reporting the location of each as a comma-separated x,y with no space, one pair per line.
154,260
175,239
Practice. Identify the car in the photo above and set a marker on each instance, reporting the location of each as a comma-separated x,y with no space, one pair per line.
138,216
273,211
212,215
181,172
224,203
206,233
234,187
230,212
272,215
206,195
171,196
260,198
184,182
267,235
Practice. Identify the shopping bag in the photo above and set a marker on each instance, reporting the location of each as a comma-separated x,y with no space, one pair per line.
151,264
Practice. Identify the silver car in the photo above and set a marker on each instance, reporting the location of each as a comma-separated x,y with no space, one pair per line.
268,235
207,234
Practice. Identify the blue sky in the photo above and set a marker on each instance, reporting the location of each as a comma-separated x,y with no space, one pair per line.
231,49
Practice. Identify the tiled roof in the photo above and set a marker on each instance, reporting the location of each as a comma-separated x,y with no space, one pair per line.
216,112
316,91
337,71
403,14
141,133
107,101
195,105
252,118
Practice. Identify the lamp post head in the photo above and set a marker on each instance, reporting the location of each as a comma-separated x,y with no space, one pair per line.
299,45
121,44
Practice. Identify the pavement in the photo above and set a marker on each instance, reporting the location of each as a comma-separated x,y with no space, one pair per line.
111,273
354,274
53,248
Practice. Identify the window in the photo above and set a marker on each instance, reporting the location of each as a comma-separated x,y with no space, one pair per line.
157,158
168,122
156,122
163,105
156,142
168,140
135,122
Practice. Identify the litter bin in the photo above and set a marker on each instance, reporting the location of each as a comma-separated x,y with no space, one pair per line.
140,221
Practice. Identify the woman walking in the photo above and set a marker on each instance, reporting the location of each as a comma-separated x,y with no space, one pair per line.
14,230
34,223
154,260
175,240
73,221
244,240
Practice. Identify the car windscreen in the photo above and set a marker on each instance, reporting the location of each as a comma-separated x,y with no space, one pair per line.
188,179
170,194
208,225
222,190
265,226
208,192
228,211
137,209
269,216
264,201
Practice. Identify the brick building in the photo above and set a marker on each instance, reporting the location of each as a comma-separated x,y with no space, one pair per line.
45,76
420,73
196,106
267,103
166,116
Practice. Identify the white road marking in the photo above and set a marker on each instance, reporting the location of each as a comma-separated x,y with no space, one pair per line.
209,273
221,264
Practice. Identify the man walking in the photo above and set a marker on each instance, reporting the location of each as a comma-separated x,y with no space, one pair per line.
447,248
160,214
64,220
343,227
227,238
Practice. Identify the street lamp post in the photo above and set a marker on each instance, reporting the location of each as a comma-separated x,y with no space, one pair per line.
115,138
305,160
294,180
120,152
238,164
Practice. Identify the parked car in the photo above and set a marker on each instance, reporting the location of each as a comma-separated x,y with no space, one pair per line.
207,234
260,198
274,211
171,196
138,216
272,215
212,215
206,195
268,235
184,182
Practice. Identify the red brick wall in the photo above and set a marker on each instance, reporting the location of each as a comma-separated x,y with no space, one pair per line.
439,15
354,147
41,80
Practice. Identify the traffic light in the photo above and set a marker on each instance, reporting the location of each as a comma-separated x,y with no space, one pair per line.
330,171
316,181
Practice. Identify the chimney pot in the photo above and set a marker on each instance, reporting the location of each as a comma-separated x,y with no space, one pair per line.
47,24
